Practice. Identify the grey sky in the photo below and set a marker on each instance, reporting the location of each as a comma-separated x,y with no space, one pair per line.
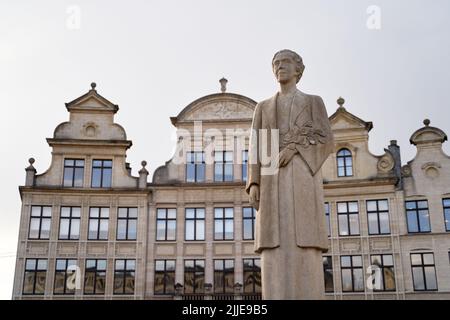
155,57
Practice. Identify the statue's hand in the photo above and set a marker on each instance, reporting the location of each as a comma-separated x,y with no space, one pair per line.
254,196
285,156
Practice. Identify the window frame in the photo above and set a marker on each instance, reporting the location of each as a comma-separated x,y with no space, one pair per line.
416,211
41,217
344,158
73,167
423,266
127,224
244,171
254,270
196,166
223,220
70,218
223,275
196,275
96,275
66,275
221,177
352,268
446,207
124,273
166,275
252,219
35,272
99,220
328,268
194,220
166,220
383,266
348,213
102,168
377,213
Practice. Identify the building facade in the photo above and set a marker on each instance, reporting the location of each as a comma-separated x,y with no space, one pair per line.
90,230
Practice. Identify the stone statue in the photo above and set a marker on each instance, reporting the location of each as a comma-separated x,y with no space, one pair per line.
291,231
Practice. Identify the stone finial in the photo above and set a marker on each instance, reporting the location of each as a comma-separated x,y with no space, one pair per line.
393,142
143,174
30,175
340,102
223,85
93,85
426,122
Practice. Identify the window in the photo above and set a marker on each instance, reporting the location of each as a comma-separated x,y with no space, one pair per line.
101,173
127,224
378,216
69,223
348,218
98,223
423,272
166,224
223,276
223,166
95,276
327,217
385,263
244,164
195,167
195,224
352,274
73,173
417,216
40,222
248,221
35,276
328,273
344,163
124,273
252,275
164,276
446,204
65,276
194,276
223,223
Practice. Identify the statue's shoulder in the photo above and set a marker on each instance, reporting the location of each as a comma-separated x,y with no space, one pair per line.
312,97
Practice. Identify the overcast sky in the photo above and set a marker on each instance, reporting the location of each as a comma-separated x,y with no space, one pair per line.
153,58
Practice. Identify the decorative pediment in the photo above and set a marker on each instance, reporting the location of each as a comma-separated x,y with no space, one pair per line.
92,101
427,135
216,107
342,119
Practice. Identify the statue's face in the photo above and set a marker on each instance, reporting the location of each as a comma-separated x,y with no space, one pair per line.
284,68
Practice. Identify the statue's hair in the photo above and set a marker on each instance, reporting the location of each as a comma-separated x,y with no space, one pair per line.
297,59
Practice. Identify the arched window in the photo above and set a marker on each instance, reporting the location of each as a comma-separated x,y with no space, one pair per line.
344,163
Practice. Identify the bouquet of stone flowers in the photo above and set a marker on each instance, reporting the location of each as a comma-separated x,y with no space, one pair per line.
304,136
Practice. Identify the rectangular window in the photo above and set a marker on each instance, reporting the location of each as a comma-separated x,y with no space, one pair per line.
385,263
69,223
352,274
164,277
127,224
328,273
348,217
446,205
195,224
166,224
248,221
98,223
95,276
35,276
423,272
378,216
124,276
252,275
224,276
244,164
73,172
65,276
40,222
223,166
223,224
101,173
327,217
195,167
194,276
417,216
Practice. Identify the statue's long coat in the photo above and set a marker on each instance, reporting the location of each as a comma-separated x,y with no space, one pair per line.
308,115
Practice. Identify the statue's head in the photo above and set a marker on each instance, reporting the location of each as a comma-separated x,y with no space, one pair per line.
287,64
